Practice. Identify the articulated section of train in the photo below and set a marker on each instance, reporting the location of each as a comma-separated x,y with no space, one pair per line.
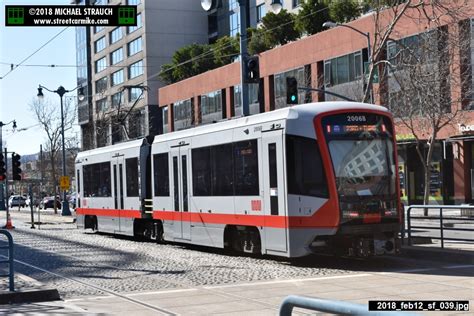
319,177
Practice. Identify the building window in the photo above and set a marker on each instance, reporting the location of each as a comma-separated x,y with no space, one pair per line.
254,103
134,94
161,175
117,99
135,69
183,114
101,105
100,64
132,29
234,18
101,2
133,2
343,69
261,12
97,29
211,107
100,44
165,120
116,56
96,179
117,77
101,85
280,86
131,173
296,3
115,35
410,49
135,46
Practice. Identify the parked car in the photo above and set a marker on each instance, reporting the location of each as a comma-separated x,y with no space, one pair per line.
36,202
16,200
48,202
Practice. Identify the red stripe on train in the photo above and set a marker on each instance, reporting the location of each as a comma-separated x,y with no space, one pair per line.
109,212
319,220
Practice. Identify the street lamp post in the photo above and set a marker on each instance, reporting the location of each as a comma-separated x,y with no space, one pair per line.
331,24
61,91
4,194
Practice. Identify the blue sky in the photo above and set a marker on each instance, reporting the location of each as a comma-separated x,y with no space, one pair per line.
19,87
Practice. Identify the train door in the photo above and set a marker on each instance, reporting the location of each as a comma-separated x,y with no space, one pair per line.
180,169
274,191
118,184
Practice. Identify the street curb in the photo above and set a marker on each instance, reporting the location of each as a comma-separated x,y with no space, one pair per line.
29,296
439,254
35,291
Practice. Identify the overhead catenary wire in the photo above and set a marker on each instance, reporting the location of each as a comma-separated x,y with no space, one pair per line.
34,53
196,58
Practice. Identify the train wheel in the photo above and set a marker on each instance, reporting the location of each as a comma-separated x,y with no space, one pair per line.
242,239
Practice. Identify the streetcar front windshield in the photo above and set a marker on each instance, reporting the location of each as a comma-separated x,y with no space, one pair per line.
363,167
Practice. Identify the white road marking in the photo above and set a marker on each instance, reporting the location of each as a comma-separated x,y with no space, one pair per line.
288,281
162,292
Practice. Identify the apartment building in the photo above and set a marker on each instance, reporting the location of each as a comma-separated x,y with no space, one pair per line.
224,19
119,66
335,60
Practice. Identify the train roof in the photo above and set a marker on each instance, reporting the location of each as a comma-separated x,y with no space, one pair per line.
107,149
301,111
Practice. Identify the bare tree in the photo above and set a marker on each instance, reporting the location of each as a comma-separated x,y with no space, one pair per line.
387,16
423,71
48,114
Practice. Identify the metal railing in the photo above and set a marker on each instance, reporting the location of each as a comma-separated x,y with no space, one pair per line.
9,260
443,226
329,306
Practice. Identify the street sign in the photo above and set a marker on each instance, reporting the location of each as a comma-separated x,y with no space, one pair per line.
375,77
64,182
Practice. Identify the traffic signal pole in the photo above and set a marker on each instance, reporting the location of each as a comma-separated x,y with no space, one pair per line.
8,224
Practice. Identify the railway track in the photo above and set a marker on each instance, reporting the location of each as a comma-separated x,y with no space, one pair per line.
126,297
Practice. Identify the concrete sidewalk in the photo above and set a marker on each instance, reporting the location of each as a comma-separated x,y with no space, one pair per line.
450,282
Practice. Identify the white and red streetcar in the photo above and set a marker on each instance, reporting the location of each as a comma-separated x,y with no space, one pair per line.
311,178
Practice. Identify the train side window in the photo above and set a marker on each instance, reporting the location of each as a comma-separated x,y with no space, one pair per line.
222,178
96,178
201,161
131,169
161,174
246,168
304,167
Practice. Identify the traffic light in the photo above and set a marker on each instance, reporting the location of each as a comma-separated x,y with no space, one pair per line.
16,171
252,74
291,90
2,167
